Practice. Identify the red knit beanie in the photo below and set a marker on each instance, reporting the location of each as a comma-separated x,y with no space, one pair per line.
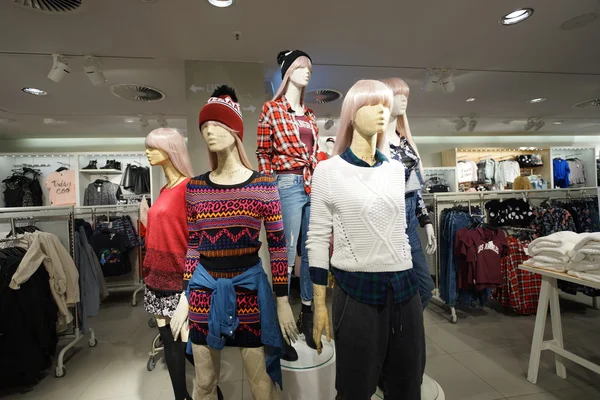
223,107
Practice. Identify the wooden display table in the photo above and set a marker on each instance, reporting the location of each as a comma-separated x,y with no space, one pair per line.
549,297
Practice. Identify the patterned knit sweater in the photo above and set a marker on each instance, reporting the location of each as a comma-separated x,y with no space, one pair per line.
364,207
166,240
224,223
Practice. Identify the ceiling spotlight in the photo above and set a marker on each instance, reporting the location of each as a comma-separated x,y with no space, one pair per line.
130,120
162,121
530,124
539,125
472,125
435,78
34,91
60,68
460,124
537,100
328,124
557,122
470,99
516,16
143,121
93,70
221,3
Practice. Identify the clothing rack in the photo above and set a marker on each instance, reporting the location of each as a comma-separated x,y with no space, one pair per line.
479,199
134,284
52,213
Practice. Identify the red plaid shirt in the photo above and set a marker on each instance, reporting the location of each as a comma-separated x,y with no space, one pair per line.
521,289
279,146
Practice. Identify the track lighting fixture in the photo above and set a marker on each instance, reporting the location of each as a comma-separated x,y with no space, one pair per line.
93,71
460,124
472,124
60,68
162,121
443,78
328,124
143,122
534,124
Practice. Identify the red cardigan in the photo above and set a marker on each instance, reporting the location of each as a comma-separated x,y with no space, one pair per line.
166,240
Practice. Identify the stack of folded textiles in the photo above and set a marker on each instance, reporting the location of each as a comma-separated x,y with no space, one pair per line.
585,258
553,252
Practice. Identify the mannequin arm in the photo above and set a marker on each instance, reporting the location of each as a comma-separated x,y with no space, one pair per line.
431,242
321,316
264,135
180,316
286,320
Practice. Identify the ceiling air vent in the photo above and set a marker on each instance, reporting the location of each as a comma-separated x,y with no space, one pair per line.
51,6
137,92
322,96
588,103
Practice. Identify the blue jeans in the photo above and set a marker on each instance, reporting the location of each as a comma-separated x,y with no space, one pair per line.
452,222
295,210
419,261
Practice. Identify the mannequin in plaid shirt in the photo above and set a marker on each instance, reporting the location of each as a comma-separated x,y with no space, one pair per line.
287,147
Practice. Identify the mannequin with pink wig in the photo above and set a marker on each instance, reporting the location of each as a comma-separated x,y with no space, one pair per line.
358,197
288,147
166,246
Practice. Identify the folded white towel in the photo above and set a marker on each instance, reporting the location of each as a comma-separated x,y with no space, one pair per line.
552,258
586,254
544,265
588,240
584,266
559,242
585,276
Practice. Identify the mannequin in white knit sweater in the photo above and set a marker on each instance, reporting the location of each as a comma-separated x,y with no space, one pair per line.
358,195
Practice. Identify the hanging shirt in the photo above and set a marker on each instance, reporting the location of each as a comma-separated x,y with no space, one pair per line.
467,171
61,187
561,173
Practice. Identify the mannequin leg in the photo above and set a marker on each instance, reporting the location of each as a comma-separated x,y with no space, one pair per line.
261,384
175,358
208,368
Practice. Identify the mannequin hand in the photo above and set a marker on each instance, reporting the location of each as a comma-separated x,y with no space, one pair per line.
180,316
431,243
321,317
286,320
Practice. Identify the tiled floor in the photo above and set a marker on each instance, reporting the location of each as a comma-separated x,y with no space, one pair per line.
483,357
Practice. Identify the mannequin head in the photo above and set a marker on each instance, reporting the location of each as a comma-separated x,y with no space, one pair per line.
165,145
298,73
222,140
401,91
329,144
366,109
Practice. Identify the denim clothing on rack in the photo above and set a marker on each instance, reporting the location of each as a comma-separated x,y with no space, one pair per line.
451,222
420,265
295,211
223,319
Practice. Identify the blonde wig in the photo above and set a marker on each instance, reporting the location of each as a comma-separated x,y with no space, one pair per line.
171,141
212,156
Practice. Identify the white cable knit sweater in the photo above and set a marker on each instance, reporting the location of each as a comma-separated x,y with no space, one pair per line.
364,207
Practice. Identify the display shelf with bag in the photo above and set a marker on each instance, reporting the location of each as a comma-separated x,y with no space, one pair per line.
496,169
440,180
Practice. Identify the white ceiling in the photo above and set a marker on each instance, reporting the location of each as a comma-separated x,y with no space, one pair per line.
146,43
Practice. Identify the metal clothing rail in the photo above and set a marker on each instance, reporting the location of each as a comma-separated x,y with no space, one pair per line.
53,213
479,199
136,283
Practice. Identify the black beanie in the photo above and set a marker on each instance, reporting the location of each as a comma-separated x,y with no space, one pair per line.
286,58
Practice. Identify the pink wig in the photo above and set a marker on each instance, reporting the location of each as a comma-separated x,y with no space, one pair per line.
300,62
399,87
363,93
212,156
171,141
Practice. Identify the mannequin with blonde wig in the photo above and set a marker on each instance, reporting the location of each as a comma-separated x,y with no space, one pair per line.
287,147
358,198
166,246
239,153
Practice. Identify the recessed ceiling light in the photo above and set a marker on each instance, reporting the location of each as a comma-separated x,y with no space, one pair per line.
537,100
34,91
130,120
221,3
470,99
557,122
517,16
